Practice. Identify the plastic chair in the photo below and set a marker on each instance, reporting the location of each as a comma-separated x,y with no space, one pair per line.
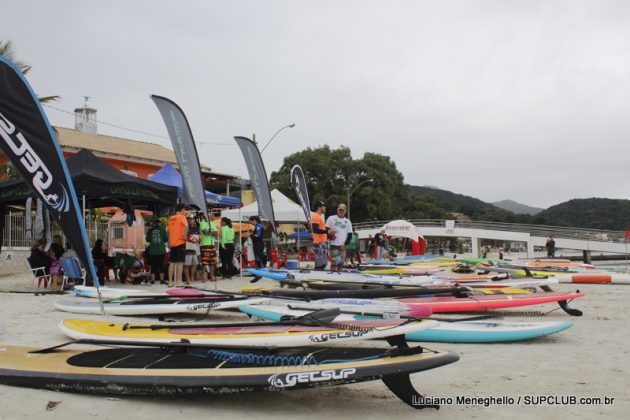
39,274
71,270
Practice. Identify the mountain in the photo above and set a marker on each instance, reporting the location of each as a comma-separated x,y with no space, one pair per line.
470,206
589,213
593,213
517,208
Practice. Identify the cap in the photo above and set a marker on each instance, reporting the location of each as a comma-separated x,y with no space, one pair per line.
321,204
342,207
191,216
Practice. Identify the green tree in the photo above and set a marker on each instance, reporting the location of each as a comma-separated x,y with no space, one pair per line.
7,171
7,51
330,174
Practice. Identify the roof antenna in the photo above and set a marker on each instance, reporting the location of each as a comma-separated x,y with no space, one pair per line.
86,98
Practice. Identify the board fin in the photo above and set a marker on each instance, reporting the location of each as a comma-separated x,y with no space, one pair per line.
571,311
255,279
322,315
400,384
397,341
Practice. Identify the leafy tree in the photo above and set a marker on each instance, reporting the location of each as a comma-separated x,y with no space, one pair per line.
7,171
7,51
377,188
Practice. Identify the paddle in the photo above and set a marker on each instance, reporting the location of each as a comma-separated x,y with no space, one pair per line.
24,292
316,318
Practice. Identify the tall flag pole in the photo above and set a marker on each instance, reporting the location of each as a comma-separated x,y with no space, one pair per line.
258,176
185,151
299,186
30,143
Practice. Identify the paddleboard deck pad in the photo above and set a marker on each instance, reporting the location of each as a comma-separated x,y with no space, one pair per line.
186,369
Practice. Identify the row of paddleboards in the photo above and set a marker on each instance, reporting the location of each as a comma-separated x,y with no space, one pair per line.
205,302
283,333
383,280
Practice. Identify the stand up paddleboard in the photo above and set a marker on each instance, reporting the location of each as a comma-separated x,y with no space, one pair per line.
290,333
448,331
188,369
155,306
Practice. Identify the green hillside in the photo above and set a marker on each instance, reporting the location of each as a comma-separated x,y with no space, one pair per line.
593,213
470,206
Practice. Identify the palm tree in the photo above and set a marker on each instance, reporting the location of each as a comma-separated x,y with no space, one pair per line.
6,50
7,171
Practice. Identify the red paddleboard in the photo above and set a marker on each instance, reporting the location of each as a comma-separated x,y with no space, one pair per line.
485,303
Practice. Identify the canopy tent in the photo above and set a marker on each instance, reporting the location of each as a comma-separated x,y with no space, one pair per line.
284,209
168,175
405,229
101,184
402,228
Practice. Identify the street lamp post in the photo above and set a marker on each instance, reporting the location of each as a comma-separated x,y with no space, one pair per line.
353,191
274,136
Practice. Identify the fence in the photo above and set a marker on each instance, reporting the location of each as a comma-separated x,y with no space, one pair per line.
535,230
15,235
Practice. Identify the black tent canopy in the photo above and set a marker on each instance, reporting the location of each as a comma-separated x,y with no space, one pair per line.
101,184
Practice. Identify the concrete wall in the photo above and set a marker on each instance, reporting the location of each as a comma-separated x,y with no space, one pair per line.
13,260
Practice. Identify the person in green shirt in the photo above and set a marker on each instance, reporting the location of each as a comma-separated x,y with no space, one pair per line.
157,239
226,250
209,235
352,248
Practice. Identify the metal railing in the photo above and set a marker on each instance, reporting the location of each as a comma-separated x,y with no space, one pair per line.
14,235
535,230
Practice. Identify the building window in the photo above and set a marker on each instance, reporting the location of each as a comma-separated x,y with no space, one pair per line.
118,232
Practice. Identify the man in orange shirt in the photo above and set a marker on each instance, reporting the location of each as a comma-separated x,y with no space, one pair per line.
320,236
177,234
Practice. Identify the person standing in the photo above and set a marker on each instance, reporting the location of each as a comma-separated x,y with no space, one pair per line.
257,240
320,236
227,248
353,248
551,247
177,234
157,238
342,237
191,259
379,243
208,248
98,255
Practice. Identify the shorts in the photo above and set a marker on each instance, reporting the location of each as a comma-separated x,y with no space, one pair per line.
208,255
191,259
321,254
338,254
178,253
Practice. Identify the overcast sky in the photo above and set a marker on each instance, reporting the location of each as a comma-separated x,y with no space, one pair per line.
526,100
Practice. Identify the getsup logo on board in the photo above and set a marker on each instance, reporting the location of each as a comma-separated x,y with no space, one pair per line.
42,180
287,380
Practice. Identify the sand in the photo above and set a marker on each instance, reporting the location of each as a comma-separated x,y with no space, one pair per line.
591,359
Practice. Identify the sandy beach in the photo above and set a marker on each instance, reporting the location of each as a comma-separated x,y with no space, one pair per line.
588,360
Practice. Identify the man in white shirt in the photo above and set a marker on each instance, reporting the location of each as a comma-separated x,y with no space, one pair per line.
343,235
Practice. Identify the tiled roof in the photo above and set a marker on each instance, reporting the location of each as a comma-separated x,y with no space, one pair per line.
115,146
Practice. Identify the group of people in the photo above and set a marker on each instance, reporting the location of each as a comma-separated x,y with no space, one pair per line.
192,240
332,238
47,257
